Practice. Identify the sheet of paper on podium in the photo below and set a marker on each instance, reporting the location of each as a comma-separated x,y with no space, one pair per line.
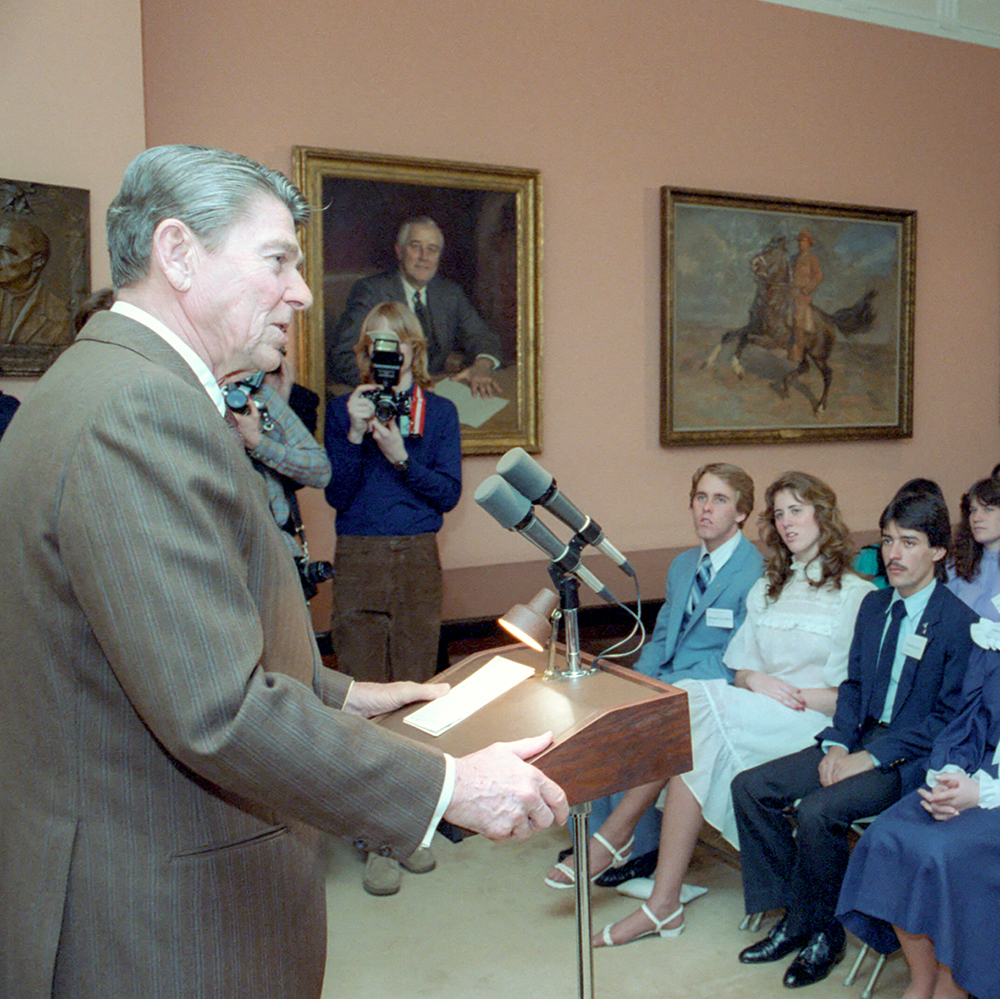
488,682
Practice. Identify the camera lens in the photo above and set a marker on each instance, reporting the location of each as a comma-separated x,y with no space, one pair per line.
385,410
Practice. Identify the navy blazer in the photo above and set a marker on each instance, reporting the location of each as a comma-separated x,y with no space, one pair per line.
696,653
457,327
8,406
929,692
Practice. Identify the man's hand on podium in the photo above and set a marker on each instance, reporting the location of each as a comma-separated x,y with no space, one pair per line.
371,699
500,796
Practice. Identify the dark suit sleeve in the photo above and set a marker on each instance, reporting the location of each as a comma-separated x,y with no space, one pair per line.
8,406
847,719
475,337
964,740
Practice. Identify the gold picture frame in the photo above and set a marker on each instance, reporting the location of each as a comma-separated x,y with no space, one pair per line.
766,342
491,220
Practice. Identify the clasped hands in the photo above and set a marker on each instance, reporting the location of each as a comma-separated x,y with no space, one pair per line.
951,795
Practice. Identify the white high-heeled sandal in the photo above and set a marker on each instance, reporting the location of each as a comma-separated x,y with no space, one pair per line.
658,924
619,858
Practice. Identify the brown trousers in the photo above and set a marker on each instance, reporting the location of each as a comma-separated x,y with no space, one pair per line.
387,607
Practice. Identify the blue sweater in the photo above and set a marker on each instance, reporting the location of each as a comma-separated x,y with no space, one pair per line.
371,498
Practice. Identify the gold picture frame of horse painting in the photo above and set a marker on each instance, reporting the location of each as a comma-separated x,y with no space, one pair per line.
490,220
785,321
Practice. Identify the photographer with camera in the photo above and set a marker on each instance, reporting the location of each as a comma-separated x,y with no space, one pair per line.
396,455
263,410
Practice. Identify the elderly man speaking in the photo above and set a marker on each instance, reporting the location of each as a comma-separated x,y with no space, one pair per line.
171,741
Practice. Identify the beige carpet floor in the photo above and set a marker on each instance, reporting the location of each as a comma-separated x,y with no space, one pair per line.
484,926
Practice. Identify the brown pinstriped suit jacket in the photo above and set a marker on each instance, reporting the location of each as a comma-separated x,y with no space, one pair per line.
170,740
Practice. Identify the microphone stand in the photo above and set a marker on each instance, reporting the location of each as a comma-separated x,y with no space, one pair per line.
568,588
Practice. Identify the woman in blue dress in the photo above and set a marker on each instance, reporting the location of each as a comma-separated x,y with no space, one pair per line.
974,570
925,876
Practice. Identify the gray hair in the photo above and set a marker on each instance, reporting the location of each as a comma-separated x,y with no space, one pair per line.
404,229
206,189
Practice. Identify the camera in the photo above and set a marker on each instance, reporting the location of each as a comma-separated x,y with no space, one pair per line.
237,394
387,363
311,574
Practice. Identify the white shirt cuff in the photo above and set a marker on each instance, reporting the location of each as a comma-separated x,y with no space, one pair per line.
447,790
989,789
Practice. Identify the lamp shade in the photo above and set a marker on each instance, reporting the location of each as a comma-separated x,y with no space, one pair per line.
532,623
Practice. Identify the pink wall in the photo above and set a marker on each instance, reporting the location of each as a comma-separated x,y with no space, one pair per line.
72,110
610,102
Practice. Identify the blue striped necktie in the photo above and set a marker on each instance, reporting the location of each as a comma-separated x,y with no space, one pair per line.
698,586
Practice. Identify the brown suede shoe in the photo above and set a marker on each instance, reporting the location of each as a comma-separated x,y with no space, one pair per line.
382,875
421,861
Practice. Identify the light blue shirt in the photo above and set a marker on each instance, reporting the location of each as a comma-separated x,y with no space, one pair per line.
915,605
722,554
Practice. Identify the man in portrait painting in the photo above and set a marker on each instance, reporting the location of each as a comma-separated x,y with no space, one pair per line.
29,313
459,343
806,278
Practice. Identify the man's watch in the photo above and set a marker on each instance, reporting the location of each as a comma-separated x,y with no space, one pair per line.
402,466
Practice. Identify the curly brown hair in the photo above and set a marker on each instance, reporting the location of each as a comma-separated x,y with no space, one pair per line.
967,552
835,549
406,326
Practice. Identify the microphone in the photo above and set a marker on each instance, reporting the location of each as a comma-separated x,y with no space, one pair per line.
538,486
511,510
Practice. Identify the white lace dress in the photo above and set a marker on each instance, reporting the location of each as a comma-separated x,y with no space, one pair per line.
803,637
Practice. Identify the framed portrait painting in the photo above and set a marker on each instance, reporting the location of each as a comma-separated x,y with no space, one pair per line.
481,289
785,320
44,271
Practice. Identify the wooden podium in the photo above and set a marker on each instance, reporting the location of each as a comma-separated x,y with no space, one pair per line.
613,729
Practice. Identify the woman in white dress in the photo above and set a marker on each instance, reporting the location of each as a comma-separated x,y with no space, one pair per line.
788,657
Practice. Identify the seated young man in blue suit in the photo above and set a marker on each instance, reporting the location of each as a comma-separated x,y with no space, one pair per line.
904,682
695,624
696,621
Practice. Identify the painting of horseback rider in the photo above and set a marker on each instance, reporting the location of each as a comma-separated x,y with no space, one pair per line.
782,316
829,325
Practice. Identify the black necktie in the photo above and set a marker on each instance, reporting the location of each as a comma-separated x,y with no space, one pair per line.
886,655
423,313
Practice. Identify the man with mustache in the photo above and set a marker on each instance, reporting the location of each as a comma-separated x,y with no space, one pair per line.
907,662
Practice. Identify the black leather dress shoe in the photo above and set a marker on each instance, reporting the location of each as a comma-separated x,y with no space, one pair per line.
823,952
774,946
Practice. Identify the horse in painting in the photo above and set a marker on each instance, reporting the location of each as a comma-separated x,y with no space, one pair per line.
769,324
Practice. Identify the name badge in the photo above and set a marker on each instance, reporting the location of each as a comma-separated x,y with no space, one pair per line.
996,601
914,645
719,617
